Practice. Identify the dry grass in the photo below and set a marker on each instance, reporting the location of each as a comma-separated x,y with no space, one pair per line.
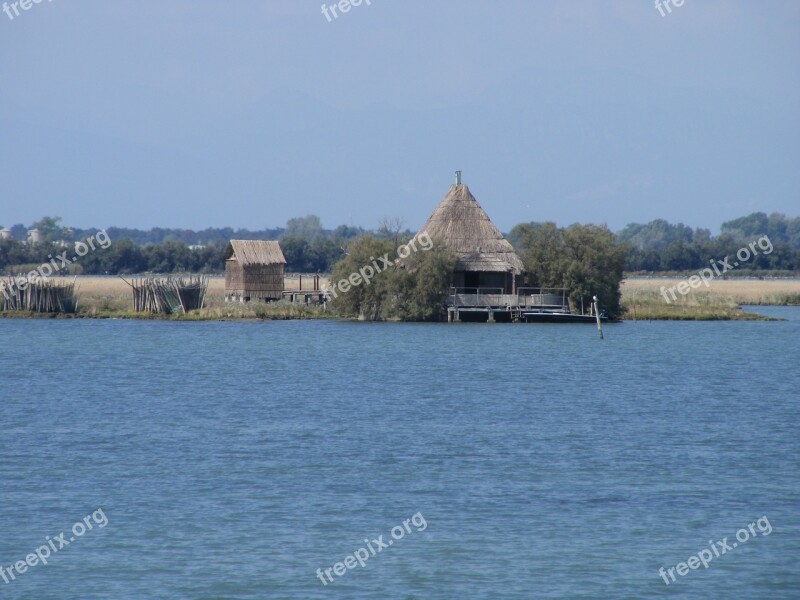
291,281
643,298
113,294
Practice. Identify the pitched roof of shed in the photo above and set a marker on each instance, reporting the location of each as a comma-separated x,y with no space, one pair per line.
255,252
463,226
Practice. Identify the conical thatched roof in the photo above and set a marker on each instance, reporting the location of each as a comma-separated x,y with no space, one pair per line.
461,225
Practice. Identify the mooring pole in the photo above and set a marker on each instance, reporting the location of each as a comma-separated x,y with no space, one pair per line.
597,317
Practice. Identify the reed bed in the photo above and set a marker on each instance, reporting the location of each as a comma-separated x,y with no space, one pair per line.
722,299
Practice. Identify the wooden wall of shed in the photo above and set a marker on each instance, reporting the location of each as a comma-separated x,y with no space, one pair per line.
234,276
256,282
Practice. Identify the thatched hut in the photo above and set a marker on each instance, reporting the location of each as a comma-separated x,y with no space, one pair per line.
253,271
485,258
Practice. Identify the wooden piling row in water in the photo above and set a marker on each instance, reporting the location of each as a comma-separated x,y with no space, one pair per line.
169,294
39,295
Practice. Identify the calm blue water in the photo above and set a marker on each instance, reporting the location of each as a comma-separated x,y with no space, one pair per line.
232,460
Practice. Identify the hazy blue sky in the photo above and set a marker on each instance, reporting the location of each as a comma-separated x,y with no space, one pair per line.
191,113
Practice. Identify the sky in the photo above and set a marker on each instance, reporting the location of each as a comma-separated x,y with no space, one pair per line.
195,113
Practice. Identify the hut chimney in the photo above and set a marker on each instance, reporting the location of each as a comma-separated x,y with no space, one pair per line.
458,177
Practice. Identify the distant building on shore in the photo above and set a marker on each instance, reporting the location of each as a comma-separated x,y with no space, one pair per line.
34,236
253,271
485,258
5,234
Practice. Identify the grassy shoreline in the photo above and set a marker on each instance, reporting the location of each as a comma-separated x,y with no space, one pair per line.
734,314
268,312
650,299
642,299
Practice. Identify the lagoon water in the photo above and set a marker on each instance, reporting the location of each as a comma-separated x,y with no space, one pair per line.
233,460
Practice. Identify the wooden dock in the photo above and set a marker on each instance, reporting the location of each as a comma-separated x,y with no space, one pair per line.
527,305
307,291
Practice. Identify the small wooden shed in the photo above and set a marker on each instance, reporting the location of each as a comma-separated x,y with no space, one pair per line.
253,271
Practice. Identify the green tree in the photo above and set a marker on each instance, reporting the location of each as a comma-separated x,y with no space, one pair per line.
122,256
419,288
743,228
584,259
541,248
655,234
346,232
411,289
295,251
364,301
679,256
51,230
307,228
595,267
322,253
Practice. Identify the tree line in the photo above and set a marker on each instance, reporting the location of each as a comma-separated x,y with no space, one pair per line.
306,245
662,246
657,246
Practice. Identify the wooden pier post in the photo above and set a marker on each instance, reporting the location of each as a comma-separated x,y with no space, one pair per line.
597,317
